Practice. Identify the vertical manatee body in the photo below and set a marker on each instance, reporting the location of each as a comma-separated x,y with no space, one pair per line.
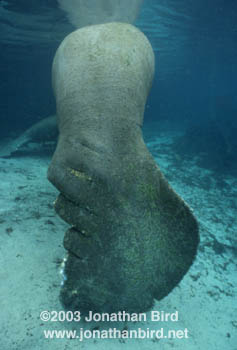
132,237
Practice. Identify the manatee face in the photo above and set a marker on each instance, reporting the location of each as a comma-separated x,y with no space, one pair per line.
132,237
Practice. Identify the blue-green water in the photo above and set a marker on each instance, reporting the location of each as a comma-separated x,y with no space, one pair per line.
190,128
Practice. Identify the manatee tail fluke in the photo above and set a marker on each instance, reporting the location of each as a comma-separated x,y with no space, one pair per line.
12,146
42,131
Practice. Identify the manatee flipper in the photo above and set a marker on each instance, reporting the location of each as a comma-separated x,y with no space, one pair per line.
45,130
132,237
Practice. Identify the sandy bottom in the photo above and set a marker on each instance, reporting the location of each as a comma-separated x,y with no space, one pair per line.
31,250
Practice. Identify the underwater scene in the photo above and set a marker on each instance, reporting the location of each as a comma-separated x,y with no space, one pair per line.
118,174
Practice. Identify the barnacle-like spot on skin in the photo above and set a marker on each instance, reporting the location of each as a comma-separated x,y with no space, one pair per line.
80,174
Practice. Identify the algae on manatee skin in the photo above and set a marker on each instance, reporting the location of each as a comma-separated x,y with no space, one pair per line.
149,190
80,174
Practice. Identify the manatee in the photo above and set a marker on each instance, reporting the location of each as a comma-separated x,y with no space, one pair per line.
131,238
42,131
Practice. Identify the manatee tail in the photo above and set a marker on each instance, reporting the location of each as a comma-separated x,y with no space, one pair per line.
44,130
13,145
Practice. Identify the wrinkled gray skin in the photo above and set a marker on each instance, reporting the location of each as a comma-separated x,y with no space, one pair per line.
132,237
